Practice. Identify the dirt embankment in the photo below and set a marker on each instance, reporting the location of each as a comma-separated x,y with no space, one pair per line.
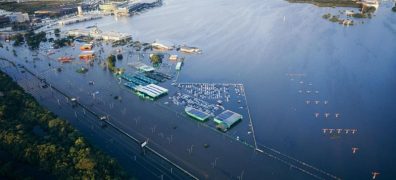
328,3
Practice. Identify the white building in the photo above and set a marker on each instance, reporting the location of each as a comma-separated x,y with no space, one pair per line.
98,34
112,6
159,46
79,11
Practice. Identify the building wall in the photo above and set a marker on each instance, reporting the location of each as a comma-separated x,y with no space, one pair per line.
108,7
4,21
19,17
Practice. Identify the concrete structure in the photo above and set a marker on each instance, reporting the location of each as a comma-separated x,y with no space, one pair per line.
98,34
179,65
78,19
226,119
79,11
173,57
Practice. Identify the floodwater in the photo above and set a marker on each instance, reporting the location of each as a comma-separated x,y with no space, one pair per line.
353,68
285,55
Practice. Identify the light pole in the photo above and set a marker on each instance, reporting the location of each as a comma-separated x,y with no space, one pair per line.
215,162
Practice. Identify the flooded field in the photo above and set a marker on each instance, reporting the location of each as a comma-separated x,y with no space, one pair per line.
320,96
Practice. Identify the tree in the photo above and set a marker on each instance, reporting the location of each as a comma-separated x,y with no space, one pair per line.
156,59
394,8
58,43
86,164
33,40
57,32
18,39
59,150
111,60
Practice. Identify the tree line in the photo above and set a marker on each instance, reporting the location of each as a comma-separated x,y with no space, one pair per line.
36,137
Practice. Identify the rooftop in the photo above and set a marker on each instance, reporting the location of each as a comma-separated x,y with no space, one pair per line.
151,90
228,117
197,114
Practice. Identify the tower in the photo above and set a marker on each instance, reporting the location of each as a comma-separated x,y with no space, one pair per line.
79,11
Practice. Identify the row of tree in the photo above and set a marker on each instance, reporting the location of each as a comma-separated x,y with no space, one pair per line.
32,39
35,136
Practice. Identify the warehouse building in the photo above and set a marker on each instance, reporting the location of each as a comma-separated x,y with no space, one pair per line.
151,90
98,34
197,114
227,119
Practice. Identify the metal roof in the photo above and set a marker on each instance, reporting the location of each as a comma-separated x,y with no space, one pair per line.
228,117
151,90
196,113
